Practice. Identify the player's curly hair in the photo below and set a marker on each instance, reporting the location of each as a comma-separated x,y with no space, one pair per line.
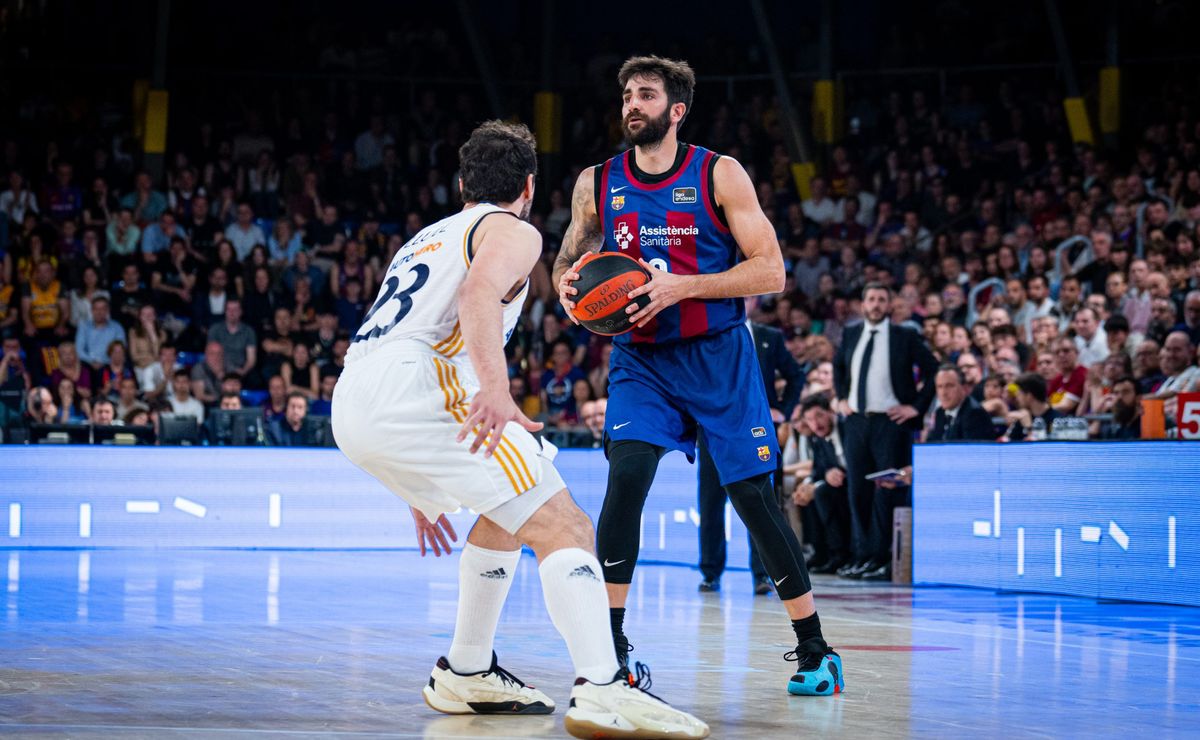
495,162
677,77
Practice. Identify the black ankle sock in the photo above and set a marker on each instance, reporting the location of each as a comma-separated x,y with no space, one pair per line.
807,628
617,618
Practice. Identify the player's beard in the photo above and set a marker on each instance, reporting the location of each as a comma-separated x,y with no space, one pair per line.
653,130
525,209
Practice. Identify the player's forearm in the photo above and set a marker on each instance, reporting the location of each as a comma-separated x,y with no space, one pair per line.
579,239
757,275
483,334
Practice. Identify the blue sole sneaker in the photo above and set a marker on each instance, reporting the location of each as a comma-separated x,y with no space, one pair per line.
825,679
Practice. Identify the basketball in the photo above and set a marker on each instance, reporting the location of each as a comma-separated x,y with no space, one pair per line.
605,281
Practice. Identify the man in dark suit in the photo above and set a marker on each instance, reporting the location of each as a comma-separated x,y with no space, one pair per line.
959,416
773,358
826,487
873,374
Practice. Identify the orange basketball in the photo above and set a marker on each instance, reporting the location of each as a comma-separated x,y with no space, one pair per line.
605,281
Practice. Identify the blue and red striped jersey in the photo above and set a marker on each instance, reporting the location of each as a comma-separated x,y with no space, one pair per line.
673,222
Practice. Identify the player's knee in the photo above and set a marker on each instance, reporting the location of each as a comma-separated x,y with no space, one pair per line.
558,524
751,492
632,465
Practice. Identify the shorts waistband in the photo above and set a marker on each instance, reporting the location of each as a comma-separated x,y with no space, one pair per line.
401,348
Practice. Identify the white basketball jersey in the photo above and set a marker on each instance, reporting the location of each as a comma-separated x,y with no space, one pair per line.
419,296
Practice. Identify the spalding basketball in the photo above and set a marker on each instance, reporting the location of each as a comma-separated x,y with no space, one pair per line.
605,279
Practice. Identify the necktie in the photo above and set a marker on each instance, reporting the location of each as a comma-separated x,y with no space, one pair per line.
863,368
951,432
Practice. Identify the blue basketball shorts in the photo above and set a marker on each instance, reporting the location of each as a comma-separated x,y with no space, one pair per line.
662,393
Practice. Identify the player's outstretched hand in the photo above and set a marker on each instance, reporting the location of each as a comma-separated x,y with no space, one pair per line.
433,534
566,290
490,411
664,289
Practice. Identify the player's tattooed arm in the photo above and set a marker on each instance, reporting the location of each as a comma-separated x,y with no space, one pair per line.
581,237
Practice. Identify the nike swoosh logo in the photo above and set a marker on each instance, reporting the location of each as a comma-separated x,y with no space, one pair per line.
609,565
617,190
624,424
781,580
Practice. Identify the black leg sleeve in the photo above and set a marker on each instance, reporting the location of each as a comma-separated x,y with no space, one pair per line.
631,468
754,500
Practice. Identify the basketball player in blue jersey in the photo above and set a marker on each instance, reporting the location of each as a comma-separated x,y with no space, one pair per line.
692,218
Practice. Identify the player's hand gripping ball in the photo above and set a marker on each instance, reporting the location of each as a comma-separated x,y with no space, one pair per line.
605,281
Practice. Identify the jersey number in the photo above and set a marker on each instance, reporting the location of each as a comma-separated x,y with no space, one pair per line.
404,297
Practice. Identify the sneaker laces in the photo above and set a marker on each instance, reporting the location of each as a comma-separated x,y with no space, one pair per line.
642,682
806,657
504,675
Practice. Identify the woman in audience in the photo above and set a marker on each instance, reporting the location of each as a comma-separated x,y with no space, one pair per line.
227,259
300,373
260,302
71,408
81,297
116,369
353,265
145,338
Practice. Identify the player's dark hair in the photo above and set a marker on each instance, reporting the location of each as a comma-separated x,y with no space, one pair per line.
677,77
495,162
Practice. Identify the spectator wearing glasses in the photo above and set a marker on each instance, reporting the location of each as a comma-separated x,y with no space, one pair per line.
1146,367
972,373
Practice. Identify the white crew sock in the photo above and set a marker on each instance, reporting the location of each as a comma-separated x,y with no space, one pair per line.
484,577
578,606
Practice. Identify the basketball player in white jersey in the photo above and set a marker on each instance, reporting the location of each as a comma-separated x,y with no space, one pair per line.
423,406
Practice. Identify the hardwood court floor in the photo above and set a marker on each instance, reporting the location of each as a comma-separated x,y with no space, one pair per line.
165,644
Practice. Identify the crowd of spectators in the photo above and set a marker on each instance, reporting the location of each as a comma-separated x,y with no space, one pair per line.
241,271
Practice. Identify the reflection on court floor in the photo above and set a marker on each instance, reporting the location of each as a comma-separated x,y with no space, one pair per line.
140,643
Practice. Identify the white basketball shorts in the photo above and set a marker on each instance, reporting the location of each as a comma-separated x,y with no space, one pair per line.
396,413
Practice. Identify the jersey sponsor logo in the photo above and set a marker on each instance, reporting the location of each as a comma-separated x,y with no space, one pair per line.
623,235
406,258
666,236
764,453
618,202
683,195
758,432
622,424
616,190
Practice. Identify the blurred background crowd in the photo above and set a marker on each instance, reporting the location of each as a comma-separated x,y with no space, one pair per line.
1051,274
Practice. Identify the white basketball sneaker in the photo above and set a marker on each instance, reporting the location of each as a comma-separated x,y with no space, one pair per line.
623,708
494,691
